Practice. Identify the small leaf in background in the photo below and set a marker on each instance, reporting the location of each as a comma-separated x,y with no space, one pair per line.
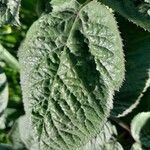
137,77
140,129
9,12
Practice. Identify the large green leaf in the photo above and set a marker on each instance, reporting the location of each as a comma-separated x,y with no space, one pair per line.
138,11
9,11
140,129
137,78
105,140
72,62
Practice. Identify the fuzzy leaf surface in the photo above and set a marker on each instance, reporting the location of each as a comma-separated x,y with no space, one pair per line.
105,140
72,62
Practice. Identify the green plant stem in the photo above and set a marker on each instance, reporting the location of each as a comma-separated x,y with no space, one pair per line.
121,124
9,59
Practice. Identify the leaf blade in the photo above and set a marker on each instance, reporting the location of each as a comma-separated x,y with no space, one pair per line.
77,104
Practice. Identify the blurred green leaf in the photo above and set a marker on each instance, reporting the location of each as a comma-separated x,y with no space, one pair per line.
5,147
140,129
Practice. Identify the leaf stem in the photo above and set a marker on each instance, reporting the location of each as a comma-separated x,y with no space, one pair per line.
121,124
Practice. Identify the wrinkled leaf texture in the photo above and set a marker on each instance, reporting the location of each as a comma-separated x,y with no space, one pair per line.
105,140
9,12
21,137
72,62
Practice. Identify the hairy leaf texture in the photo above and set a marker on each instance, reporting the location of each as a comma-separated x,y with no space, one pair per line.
21,136
9,11
72,62
137,78
140,129
138,11
105,140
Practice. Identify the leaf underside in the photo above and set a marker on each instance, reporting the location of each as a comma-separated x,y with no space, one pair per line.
138,11
9,12
72,62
